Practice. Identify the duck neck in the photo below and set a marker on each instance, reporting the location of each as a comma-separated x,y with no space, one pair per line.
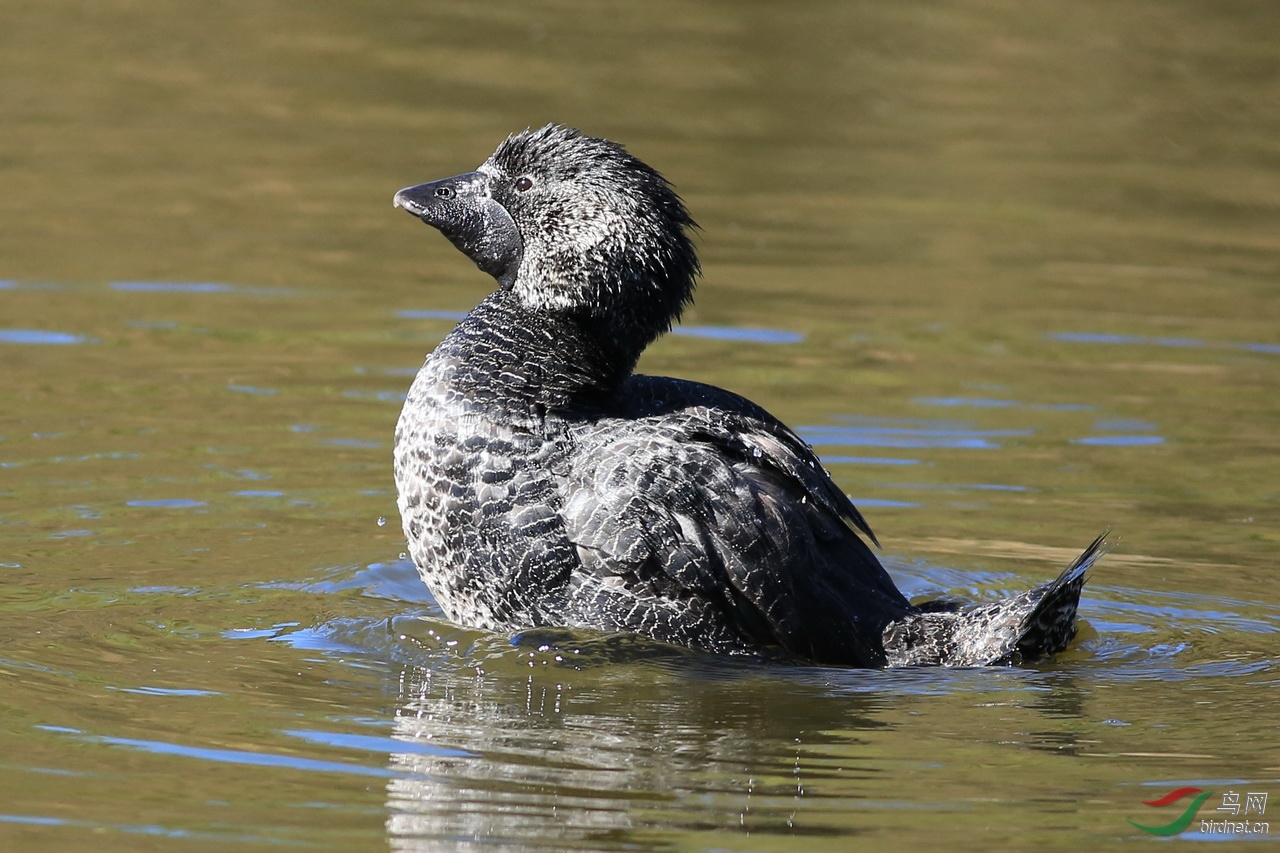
504,352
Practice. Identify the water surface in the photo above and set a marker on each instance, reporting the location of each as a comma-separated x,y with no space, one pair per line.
1010,268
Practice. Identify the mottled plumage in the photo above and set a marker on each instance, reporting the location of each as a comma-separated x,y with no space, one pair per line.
542,483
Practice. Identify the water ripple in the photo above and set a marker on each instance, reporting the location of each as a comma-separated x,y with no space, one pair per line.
837,459
147,829
427,314
1143,340
993,403
171,287
41,337
382,745
1119,440
734,333
907,437
239,756
164,691
396,397
977,487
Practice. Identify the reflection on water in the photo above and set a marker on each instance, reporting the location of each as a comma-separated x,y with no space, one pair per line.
910,435
727,333
167,503
1119,440
424,314
838,459
561,771
1185,343
541,742
39,338
989,403
170,287
224,756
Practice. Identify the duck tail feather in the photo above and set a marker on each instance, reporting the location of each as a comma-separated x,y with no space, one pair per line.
1051,625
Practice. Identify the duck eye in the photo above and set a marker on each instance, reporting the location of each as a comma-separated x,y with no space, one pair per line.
523,184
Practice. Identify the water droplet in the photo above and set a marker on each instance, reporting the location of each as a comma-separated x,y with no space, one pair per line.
403,556
382,521
755,451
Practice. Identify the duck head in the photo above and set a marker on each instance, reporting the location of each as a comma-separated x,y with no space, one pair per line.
571,225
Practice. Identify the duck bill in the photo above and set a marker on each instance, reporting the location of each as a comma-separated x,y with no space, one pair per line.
462,209
433,201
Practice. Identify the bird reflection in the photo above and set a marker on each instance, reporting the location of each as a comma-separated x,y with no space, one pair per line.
607,745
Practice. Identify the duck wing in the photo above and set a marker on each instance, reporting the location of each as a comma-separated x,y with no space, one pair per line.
695,502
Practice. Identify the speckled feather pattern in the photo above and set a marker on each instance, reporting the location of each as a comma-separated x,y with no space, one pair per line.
542,483
1021,628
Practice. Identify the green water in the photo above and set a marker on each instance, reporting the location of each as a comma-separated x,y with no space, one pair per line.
1012,268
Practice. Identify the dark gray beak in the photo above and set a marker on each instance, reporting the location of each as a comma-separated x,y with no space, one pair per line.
464,211
430,201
